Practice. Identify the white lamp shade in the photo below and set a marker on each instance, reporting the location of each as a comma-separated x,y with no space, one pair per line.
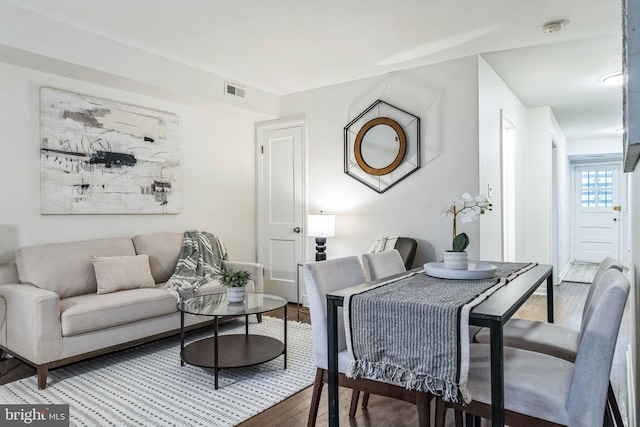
321,225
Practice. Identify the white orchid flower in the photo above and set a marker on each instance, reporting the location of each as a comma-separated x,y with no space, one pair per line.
468,215
468,208
481,198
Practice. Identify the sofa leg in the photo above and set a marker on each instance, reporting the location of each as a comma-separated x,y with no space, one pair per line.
259,316
42,372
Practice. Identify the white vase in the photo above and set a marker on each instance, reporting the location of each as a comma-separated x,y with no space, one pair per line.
456,260
235,308
235,294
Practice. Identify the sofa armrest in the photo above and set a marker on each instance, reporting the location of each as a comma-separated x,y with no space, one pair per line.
256,270
32,327
9,273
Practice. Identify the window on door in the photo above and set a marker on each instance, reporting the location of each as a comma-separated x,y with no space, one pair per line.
597,188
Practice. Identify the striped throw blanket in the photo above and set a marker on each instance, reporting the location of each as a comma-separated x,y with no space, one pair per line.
414,331
199,262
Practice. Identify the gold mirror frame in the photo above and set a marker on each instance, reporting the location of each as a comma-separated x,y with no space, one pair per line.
402,139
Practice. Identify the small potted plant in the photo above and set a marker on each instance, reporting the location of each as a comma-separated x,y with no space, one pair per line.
469,208
235,281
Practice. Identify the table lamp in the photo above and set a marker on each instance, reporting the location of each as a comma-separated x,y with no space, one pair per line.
321,226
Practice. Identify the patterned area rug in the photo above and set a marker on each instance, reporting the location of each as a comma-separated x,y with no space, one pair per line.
146,386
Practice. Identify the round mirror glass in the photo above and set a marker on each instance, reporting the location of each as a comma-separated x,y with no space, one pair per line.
380,146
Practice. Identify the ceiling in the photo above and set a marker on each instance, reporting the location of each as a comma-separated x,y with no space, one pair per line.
287,46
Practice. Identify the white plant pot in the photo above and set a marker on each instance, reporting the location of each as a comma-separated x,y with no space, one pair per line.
456,260
235,308
235,294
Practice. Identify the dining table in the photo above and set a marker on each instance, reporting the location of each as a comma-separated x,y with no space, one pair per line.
492,312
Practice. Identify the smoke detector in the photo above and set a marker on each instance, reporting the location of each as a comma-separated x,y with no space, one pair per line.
555,26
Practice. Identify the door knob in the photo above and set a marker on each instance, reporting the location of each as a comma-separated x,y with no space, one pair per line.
297,230
617,208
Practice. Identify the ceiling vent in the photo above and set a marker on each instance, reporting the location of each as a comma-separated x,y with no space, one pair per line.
233,89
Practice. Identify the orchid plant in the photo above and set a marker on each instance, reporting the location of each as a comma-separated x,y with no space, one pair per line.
469,209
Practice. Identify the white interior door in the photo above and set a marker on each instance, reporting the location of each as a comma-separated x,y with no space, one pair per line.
281,217
597,211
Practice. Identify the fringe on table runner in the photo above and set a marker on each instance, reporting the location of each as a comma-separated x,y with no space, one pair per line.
449,391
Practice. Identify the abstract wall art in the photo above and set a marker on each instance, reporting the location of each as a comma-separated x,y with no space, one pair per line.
105,157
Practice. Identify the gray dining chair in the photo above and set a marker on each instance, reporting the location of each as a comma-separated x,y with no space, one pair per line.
379,265
322,278
406,246
543,390
554,340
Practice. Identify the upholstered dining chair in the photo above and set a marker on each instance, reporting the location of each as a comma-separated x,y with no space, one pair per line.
406,246
378,265
543,390
554,340
324,277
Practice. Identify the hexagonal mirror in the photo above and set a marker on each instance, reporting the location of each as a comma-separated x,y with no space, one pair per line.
382,146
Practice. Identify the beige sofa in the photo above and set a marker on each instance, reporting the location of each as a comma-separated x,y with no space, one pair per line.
52,314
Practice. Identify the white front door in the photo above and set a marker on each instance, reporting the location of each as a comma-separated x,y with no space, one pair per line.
597,211
281,205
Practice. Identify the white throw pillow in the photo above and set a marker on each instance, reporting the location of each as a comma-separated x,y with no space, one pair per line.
118,273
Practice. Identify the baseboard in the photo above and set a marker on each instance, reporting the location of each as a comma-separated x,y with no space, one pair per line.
631,391
564,272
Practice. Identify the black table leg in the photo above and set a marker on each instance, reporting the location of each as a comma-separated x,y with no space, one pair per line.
550,298
285,337
497,375
332,347
181,337
215,352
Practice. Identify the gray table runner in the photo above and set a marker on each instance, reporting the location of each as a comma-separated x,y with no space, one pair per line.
414,330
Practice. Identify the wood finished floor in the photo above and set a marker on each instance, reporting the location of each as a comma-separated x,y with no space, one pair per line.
385,412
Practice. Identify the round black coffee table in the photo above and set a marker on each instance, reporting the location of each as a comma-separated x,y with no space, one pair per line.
237,350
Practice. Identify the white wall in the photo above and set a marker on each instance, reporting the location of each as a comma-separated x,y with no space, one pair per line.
563,201
595,147
535,130
444,96
494,97
634,297
539,187
218,170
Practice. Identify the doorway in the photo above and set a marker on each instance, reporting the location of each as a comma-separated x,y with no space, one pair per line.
508,180
598,208
281,206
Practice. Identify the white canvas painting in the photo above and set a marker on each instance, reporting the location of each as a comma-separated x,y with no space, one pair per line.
104,157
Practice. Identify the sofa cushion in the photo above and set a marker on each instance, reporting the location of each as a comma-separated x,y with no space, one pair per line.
65,268
86,313
163,250
118,273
